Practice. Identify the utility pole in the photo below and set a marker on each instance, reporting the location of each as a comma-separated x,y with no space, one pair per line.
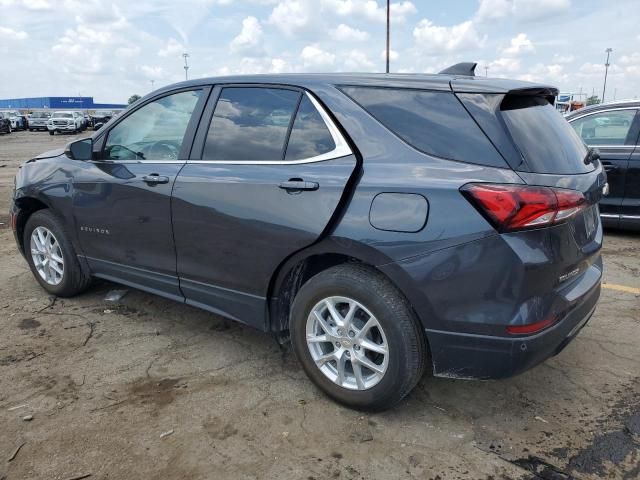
388,26
486,70
186,66
152,82
606,70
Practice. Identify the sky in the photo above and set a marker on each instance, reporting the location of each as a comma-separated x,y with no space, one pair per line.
113,49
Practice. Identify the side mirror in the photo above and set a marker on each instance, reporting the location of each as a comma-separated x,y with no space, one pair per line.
80,149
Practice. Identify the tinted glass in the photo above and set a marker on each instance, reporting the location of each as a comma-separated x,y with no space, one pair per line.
605,128
543,136
153,132
309,136
250,124
433,122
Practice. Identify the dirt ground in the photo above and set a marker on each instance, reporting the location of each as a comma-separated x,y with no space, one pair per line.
150,389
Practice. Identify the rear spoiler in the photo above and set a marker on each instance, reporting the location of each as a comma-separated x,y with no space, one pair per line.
465,68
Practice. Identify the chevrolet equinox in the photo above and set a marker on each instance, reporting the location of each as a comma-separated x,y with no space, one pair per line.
388,224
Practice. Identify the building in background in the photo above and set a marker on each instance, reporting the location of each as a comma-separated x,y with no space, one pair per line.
57,103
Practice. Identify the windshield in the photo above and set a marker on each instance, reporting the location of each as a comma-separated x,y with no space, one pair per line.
39,115
543,136
63,115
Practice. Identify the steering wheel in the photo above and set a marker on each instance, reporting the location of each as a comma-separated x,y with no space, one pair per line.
163,151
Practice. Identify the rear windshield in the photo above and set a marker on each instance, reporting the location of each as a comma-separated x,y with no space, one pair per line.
545,139
433,122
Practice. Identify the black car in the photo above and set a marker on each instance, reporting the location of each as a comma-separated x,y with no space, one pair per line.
389,224
99,118
5,123
614,129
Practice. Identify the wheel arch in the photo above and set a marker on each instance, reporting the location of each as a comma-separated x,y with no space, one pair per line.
301,267
26,206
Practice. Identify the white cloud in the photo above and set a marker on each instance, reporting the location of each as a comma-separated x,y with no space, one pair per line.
37,4
153,72
345,33
563,58
290,16
314,58
7,33
357,61
435,38
173,48
248,39
393,55
519,44
504,66
523,10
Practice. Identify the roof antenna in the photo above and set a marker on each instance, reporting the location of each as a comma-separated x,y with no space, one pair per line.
464,68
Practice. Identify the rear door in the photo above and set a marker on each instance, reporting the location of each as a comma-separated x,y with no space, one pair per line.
267,173
611,132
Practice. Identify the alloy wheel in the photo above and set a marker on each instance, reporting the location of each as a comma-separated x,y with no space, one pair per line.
347,343
47,255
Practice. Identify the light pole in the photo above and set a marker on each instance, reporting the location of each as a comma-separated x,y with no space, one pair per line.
486,70
186,66
152,82
606,70
388,25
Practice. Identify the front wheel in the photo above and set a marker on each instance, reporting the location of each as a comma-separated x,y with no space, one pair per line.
357,338
52,257
51,132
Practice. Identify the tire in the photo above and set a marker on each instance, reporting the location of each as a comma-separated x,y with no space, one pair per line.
399,332
73,280
51,132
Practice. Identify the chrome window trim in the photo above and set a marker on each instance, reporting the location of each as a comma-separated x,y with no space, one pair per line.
609,215
341,149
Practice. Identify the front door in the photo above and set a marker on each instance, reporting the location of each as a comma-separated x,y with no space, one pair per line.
610,132
122,200
269,174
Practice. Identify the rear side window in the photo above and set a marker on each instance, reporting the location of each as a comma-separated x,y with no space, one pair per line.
432,122
605,128
250,124
310,136
545,139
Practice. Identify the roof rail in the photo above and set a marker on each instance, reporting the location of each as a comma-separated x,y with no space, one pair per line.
464,68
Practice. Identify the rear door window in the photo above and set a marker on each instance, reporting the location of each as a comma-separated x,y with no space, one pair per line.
545,139
310,136
605,128
250,123
435,123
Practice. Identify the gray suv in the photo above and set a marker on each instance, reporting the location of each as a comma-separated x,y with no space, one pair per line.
387,224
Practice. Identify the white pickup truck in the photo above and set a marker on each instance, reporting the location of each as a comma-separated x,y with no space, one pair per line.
64,121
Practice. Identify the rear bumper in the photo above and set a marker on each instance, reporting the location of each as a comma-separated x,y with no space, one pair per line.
460,355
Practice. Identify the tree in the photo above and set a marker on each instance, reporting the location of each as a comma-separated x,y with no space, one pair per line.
134,98
593,100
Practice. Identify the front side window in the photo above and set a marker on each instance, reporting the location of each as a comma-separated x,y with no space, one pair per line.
605,128
250,123
154,131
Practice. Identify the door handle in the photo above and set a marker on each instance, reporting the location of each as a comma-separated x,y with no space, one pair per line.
155,179
609,167
297,184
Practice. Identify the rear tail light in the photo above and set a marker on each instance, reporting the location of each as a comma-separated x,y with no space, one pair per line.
531,328
518,207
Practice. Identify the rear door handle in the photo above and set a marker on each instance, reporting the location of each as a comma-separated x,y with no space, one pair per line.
155,179
297,185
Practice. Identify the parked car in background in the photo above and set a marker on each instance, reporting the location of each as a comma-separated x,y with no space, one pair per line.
100,117
5,123
18,121
316,207
83,122
614,129
64,121
38,121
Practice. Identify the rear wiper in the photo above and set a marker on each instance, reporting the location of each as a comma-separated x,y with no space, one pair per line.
593,154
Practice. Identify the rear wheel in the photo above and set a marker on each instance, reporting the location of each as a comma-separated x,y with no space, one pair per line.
51,256
357,338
